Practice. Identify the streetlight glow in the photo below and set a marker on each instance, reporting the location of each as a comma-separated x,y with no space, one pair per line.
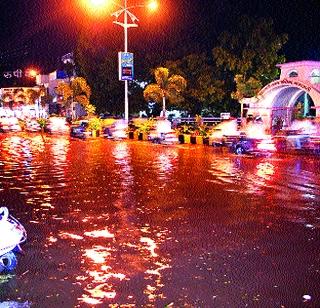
97,3
32,73
125,19
96,7
153,5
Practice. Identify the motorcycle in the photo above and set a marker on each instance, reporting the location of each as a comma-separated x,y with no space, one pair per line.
12,234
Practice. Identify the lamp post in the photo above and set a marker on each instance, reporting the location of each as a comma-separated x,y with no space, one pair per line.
129,21
125,25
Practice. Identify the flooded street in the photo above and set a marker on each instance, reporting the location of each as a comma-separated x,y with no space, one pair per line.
135,224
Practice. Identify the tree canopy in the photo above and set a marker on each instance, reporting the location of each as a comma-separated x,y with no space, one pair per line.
204,89
250,53
242,62
166,87
76,91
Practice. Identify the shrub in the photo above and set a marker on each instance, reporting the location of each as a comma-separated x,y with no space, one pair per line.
94,124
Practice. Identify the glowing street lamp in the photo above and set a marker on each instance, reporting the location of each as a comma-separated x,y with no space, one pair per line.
32,73
153,5
96,7
129,21
125,11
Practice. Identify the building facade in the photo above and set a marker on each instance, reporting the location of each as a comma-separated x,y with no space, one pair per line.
295,94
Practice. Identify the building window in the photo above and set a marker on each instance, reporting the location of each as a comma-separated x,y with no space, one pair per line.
293,74
315,76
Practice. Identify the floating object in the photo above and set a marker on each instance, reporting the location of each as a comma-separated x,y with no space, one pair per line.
13,304
12,235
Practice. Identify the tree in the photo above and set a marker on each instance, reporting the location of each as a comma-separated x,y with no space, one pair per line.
204,90
6,99
246,88
19,96
165,87
77,91
249,54
32,95
100,69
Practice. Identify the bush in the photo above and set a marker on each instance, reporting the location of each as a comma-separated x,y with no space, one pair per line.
146,126
95,124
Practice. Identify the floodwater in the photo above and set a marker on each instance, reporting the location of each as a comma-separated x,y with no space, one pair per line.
134,224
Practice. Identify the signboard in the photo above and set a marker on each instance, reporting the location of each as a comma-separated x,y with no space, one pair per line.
19,73
288,83
225,115
14,74
126,71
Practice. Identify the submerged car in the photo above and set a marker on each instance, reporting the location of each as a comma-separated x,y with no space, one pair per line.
80,130
246,145
57,125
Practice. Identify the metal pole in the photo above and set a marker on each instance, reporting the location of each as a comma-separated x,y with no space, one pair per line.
126,94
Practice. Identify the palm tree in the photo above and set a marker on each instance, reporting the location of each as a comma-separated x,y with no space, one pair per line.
165,88
76,91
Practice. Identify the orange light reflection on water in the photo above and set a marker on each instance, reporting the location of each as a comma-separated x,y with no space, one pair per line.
99,286
100,233
140,256
124,251
265,170
166,162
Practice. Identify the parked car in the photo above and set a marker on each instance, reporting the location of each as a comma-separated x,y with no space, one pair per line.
80,130
165,138
32,125
245,145
292,141
10,124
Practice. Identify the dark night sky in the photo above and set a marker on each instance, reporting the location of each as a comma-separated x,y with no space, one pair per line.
40,31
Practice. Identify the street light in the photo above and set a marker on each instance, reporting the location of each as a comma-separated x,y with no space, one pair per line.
31,73
125,11
129,21
96,7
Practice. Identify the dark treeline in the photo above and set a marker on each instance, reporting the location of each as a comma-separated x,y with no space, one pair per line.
218,72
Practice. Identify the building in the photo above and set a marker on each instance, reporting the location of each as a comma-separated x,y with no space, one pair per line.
297,92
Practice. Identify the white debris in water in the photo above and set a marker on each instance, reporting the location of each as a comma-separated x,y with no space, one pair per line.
306,297
309,226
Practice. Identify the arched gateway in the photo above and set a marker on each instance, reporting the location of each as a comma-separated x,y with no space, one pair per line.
296,93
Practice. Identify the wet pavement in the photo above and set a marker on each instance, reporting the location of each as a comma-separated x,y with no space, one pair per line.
135,224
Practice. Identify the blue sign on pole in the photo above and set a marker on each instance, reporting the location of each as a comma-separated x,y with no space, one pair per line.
126,71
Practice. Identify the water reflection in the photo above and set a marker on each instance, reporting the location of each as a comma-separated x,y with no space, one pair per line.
268,178
265,170
120,250
129,224
166,162
60,147
123,159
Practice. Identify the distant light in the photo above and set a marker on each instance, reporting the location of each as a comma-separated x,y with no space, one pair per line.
96,7
32,73
153,5
98,3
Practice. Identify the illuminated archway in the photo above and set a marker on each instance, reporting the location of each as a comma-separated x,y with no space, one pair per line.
280,99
